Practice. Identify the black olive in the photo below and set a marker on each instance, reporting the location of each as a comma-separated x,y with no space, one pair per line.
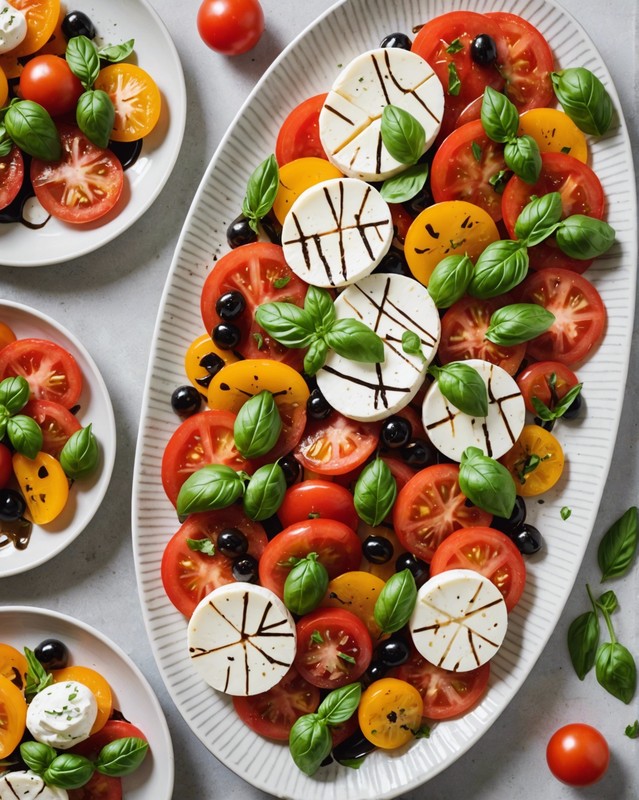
418,453
292,469
52,654
375,671
396,40
393,652
393,263
272,526
421,201
546,424
12,505
245,569
239,232
377,549
574,409
230,306
483,50
271,230
419,568
356,746
76,23
316,406
396,432
226,336
509,525
528,539
232,542
186,401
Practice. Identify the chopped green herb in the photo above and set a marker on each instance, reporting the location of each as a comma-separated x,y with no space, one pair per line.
313,515
476,151
259,340
566,150
565,512
317,637
454,47
454,83
346,657
499,180
632,731
205,546
280,283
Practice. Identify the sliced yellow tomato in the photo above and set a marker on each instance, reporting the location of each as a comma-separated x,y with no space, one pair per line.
136,98
13,665
199,361
554,132
536,461
43,484
357,592
390,713
41,16
453,227
96,683
236,383
57,44
4,95
13,716
298,176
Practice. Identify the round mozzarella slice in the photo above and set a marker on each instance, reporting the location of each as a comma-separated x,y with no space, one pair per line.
460,620
451,431
13,27
27,785
351,119
390,305
337,232
242,639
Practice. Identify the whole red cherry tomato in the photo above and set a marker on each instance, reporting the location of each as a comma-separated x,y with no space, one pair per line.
48,80
577,754
230,27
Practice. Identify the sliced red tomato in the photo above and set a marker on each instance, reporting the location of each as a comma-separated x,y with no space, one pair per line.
333,647
299,134
463,334
189,575
255,270
273,713
11,176
337,444
84,185
317,498
51,371
488,552
430,507
581,193
445,693
337,546
463,167
204,438
548,381
57,424
580,315
99,787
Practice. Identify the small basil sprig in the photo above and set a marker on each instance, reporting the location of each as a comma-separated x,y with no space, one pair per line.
463,386
396,601
450,279
632,731
14,393
257,426
518,323
583,237
584,99
539,219
95,115
261,190
487,483
265,492
615,666
287,323
618,546
122,756
80,455
211,487
305,585
68,771
402,135
583,640
412,345
83,59
557,411
37,677
117,52
375,492
32,129
500,120
37,755
25,435
500,267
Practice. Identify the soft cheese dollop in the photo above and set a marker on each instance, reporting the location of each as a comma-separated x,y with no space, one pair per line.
27,785
62,714
13,27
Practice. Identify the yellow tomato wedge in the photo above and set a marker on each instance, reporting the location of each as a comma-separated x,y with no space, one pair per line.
357,592
200,361
98,685
13,665
390,713
554,132
4,94
236,383
535,462
41,16
136,99
13,716
298,176
43,484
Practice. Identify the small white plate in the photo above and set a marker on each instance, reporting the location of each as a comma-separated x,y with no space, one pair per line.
116,21
95,407
23,626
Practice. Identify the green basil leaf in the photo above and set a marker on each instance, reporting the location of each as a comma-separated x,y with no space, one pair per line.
522,156
351,763
632,731
5,416
37,676
211,487
518,323
33,130
80,455
402,135
548,414
25,435
14,393
539,219
6,145
37,755
396,601
487,483
261,191
83,60
616,671
68,771
412,345
584,237
265,492
502,266
499,117
315,357
583,640
584,98
618,546
499,180
375,492
339,705
257,426
204,545
117,52
122,756
454,82
318,304
310,742
353,339
95,115
450,280
403,187
305,585
463,386
565,513
288,324
608,601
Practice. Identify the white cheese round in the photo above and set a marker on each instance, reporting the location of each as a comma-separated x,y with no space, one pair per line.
241,639
451,431
350,120
390,305
62,714
460,620
26,785
337,232
13,27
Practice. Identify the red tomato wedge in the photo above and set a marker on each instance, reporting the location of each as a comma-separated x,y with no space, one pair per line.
11,176
57,424
336,445
299,134
317,498
99,787
537,381
51,371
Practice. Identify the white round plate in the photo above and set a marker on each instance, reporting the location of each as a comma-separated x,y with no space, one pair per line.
25,626
307,67
95,407
116,21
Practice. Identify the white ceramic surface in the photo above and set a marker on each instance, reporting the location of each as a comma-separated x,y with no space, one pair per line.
116,21
85,496
308,67
25,626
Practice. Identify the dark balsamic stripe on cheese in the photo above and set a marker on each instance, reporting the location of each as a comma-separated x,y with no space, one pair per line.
338,219
450,418
430,339
367,384
380,78
413,90
338,114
